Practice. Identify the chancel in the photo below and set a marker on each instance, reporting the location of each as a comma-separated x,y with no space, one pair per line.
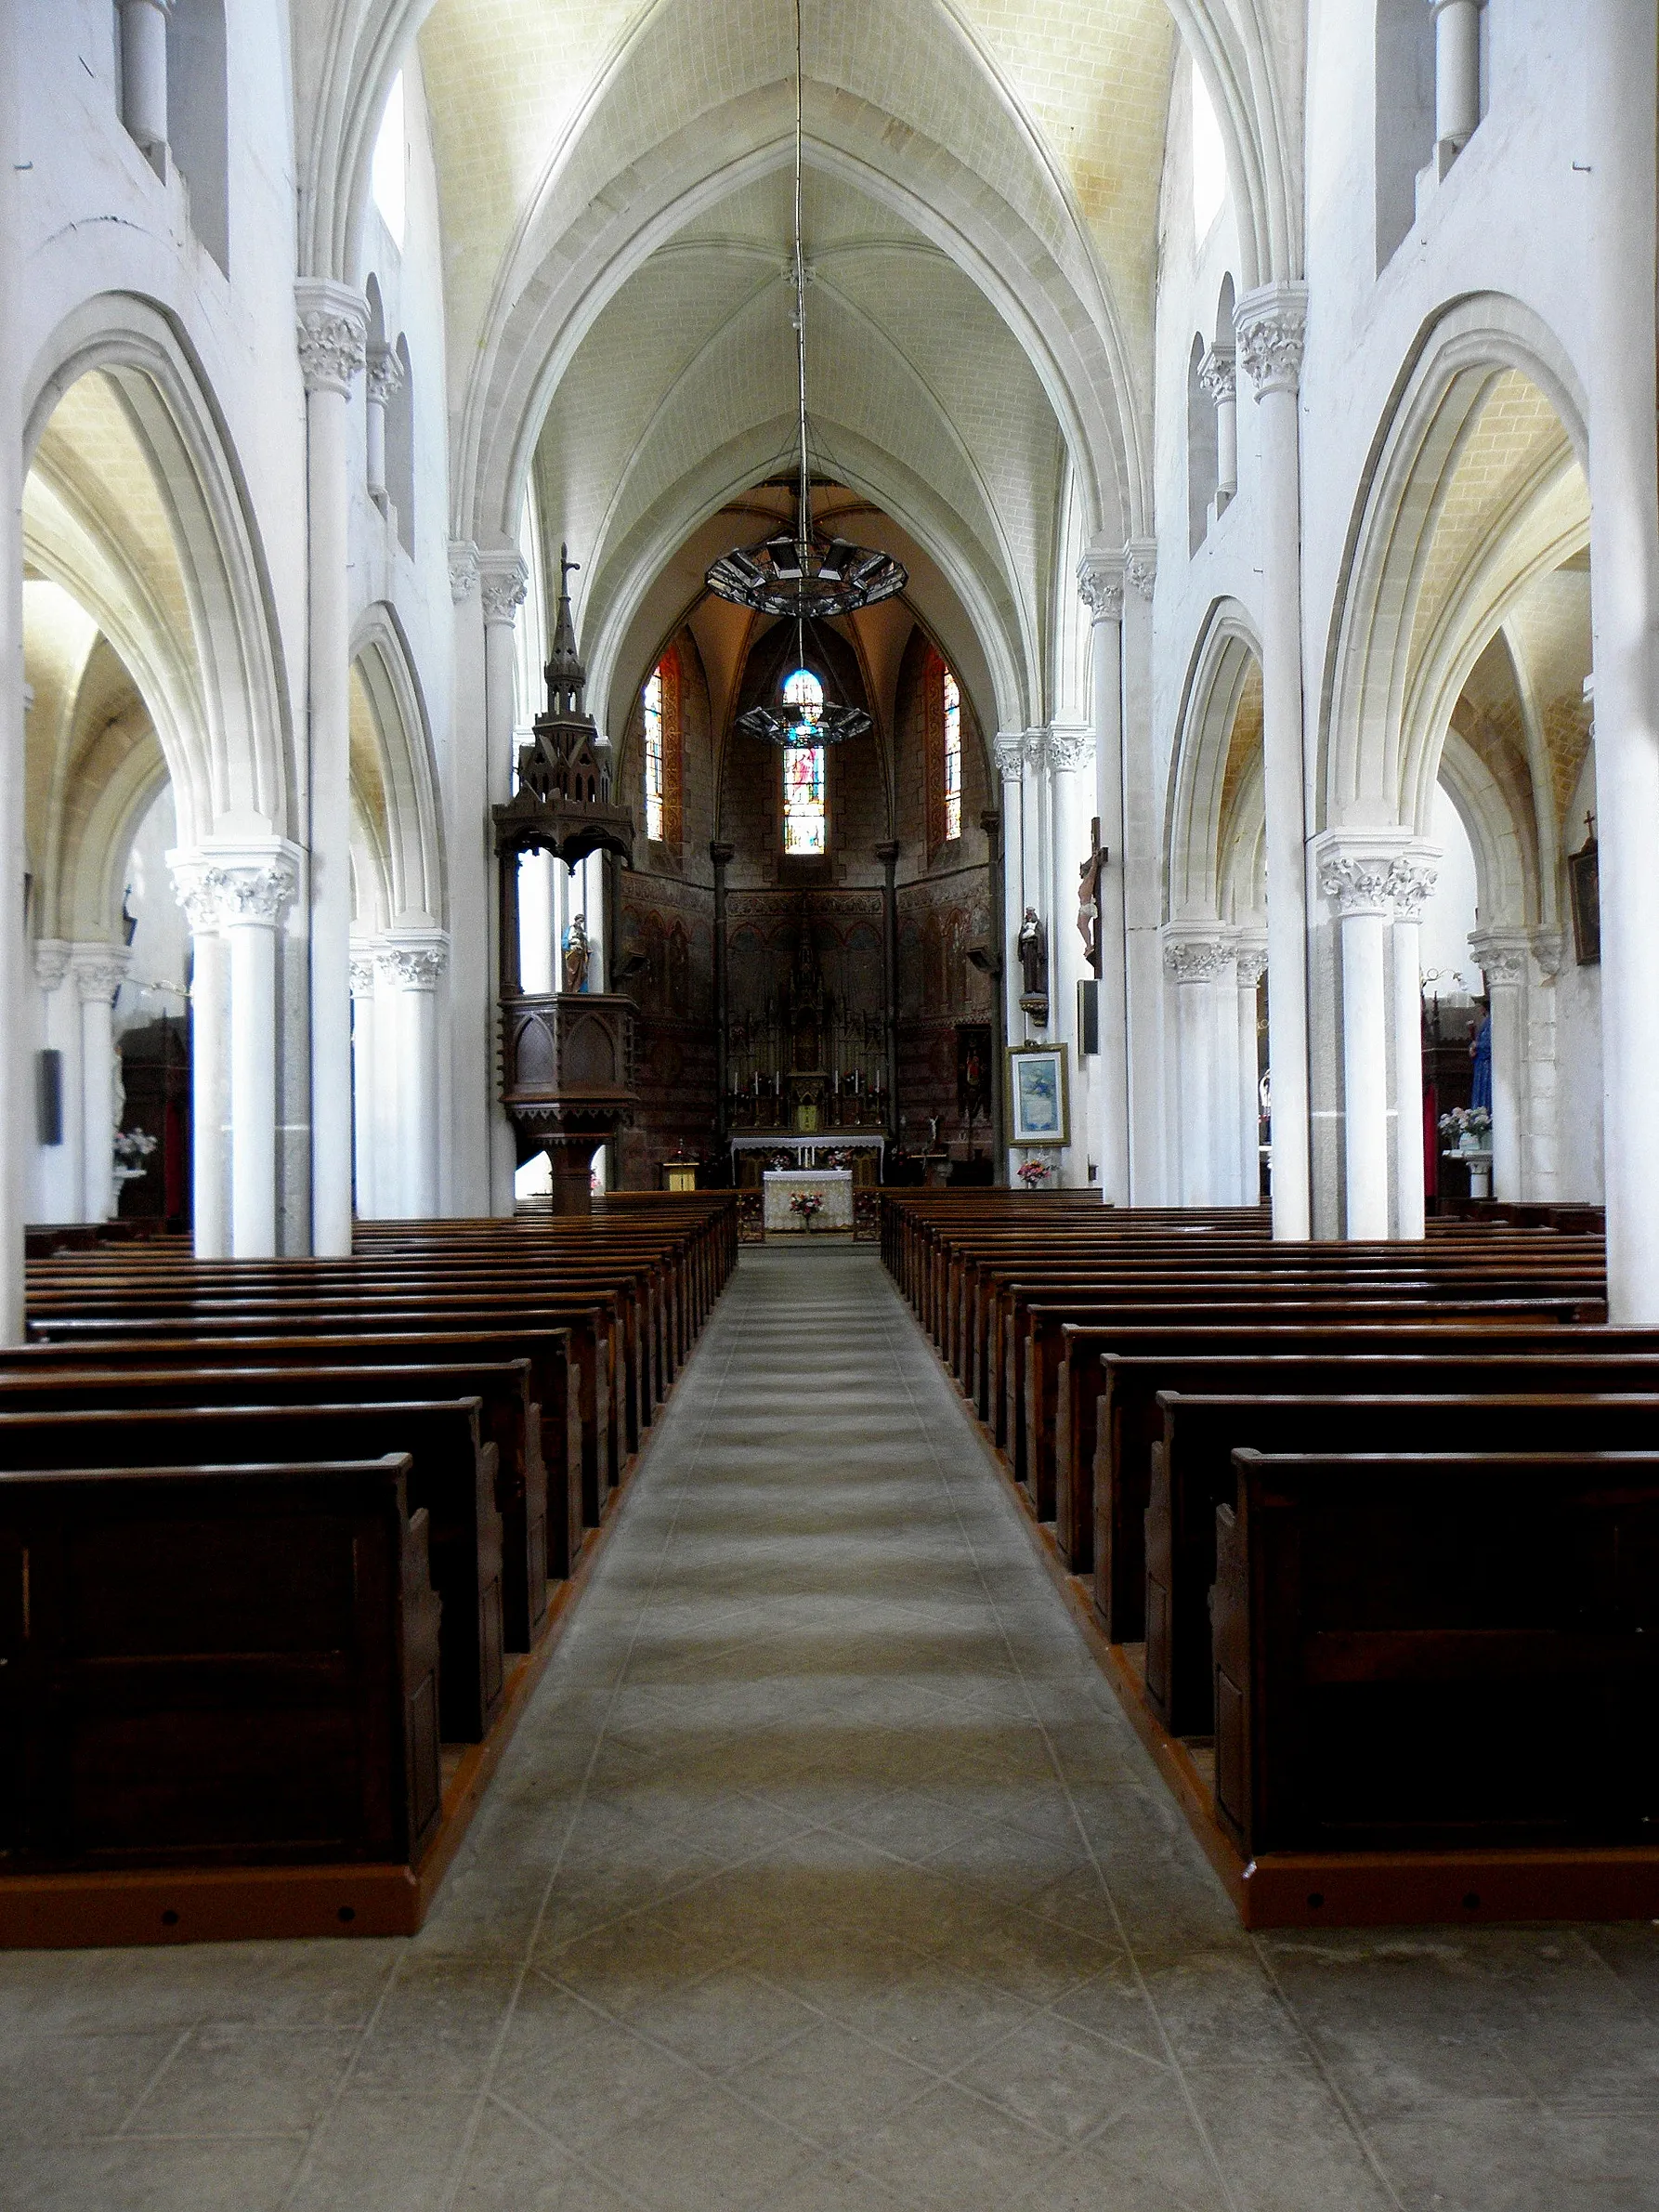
829,1262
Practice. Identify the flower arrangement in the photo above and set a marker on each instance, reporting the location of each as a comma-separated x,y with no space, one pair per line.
1467,1127
807,1203
1035,1173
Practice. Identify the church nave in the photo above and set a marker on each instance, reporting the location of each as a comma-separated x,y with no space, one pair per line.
824,1872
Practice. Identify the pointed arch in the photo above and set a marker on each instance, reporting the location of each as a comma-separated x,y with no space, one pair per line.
413,853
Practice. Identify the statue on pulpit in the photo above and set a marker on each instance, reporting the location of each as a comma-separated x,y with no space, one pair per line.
578,952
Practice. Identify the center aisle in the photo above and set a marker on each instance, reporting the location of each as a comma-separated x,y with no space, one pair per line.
825,1869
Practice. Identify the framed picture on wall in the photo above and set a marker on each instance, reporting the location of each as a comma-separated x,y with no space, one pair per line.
1039,1109
1585,875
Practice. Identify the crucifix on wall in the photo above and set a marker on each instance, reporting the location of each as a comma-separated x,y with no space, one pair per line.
1089,898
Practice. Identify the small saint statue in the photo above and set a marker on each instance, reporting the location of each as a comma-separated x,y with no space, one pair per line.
577,953
1034,955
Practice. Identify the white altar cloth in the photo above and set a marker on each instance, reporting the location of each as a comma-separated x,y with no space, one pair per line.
834,1186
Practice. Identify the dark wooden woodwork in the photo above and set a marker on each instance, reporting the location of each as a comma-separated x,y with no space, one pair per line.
215,1665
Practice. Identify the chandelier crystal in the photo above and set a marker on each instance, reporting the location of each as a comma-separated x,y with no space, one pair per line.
804,576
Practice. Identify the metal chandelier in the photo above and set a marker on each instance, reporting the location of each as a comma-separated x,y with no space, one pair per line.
805,576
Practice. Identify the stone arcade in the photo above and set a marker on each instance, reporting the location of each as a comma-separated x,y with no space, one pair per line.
520,1687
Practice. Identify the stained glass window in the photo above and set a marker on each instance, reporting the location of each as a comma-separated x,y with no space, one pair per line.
662,750
953,758
805,813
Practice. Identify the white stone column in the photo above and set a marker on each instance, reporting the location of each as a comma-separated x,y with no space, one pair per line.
1457,76
1270,325
503,582
1501,955
1250,965
1226,1137
382,382
144,71
60,1181
1411,885
98,971
1217,375
256,887
1071,791
1152,1171
472,903
413,964
1100,583
537,961
14,693
1621,37
1540,1164
1354,875
1035,841
365,1159
1197,955
196,887
331,331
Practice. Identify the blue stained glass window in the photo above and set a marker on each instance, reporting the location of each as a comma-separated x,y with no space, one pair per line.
953,758
805,812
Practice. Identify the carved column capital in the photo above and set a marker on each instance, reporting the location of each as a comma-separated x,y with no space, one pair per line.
1412,879
414,962
1070,749
1099,586
362,971
384,376
1139,564
1009,748
463,569
1197,952
1549,950
51,961
331,331
1355,869
220,887
503,582
1251,950
1271,326
1217,375
1501,955
100,971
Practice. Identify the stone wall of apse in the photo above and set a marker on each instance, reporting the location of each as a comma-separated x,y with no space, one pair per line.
667,918
944,907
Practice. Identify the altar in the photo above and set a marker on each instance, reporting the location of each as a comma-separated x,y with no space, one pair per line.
833,1185
752,1156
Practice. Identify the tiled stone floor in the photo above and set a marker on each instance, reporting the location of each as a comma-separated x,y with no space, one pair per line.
824,1876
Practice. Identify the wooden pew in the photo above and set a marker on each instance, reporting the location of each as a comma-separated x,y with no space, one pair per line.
1138,1364
451,1474
1191,1474
511,1421
1492,1687
213,1664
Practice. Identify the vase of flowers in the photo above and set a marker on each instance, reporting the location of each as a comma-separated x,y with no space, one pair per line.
808,1204
1035,1173
1467,1129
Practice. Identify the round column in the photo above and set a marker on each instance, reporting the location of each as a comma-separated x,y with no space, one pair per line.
1009,750
1354,875
414,965
1250,965
57,1195
364,1151
1411,884
144,71
1270,325
1456,71
196,887
98,971
254,894
503,582
1621,37
1100,583
1196,957
331,333
1502,955
382,380
1217,375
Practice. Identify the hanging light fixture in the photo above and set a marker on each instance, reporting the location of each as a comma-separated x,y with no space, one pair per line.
804,576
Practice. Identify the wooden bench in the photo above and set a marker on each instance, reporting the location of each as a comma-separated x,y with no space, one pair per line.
213,1664
1191,1474
451,1475
1436,1651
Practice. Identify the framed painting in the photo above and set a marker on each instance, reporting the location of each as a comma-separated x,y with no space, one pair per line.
1038,1108
1584,874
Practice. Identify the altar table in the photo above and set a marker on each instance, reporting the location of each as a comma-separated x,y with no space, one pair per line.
834,1186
